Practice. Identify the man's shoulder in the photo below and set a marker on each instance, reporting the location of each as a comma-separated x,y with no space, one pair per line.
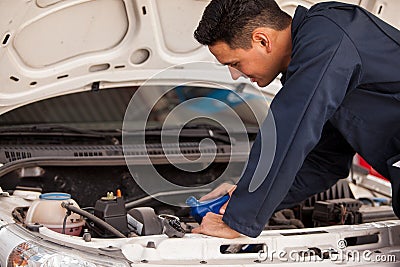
328,10
326,6
352,18
328,16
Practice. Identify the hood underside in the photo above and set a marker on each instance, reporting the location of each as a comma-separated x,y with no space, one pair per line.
50,47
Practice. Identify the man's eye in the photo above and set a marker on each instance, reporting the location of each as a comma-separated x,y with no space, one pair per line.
234,64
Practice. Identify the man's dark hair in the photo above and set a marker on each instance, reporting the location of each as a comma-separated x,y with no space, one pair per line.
233,21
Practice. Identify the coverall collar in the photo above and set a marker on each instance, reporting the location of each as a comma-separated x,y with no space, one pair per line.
298,18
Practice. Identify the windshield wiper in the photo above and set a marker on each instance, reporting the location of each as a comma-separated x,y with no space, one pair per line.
59,130
194,131
206,131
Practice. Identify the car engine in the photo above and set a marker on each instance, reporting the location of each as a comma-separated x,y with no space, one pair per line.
86,210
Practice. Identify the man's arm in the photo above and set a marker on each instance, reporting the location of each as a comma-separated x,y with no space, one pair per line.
328,162
325,64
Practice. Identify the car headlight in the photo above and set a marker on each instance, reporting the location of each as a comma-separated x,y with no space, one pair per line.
32,254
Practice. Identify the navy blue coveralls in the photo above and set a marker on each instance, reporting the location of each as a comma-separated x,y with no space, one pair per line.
340,95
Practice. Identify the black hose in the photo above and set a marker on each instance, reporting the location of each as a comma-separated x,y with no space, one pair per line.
65,222
93,218
68,213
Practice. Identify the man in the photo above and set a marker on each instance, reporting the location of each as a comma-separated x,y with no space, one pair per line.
340,70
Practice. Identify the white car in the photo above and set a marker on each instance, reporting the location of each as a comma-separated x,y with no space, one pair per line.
112,116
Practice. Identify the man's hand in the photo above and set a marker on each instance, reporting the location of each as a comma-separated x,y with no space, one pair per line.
213,225
221,190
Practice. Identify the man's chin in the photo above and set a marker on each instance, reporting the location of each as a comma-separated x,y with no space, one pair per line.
261,84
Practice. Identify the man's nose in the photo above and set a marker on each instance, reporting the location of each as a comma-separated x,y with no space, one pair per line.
235,73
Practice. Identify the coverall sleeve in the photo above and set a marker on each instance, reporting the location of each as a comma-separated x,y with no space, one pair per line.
328,162
324,66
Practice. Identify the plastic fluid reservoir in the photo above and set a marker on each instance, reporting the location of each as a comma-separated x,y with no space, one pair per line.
198,209
47,211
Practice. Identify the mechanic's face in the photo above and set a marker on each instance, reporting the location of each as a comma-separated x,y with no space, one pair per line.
260,63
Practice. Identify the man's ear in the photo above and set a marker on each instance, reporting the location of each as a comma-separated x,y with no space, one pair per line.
261,38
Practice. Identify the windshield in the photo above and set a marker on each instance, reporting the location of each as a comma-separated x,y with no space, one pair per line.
105,109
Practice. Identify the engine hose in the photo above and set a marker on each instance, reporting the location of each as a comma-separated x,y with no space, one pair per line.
93,218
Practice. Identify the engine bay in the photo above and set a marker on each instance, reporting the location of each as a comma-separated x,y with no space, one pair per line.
106,202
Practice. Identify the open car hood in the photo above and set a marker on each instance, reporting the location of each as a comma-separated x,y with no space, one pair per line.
54,47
